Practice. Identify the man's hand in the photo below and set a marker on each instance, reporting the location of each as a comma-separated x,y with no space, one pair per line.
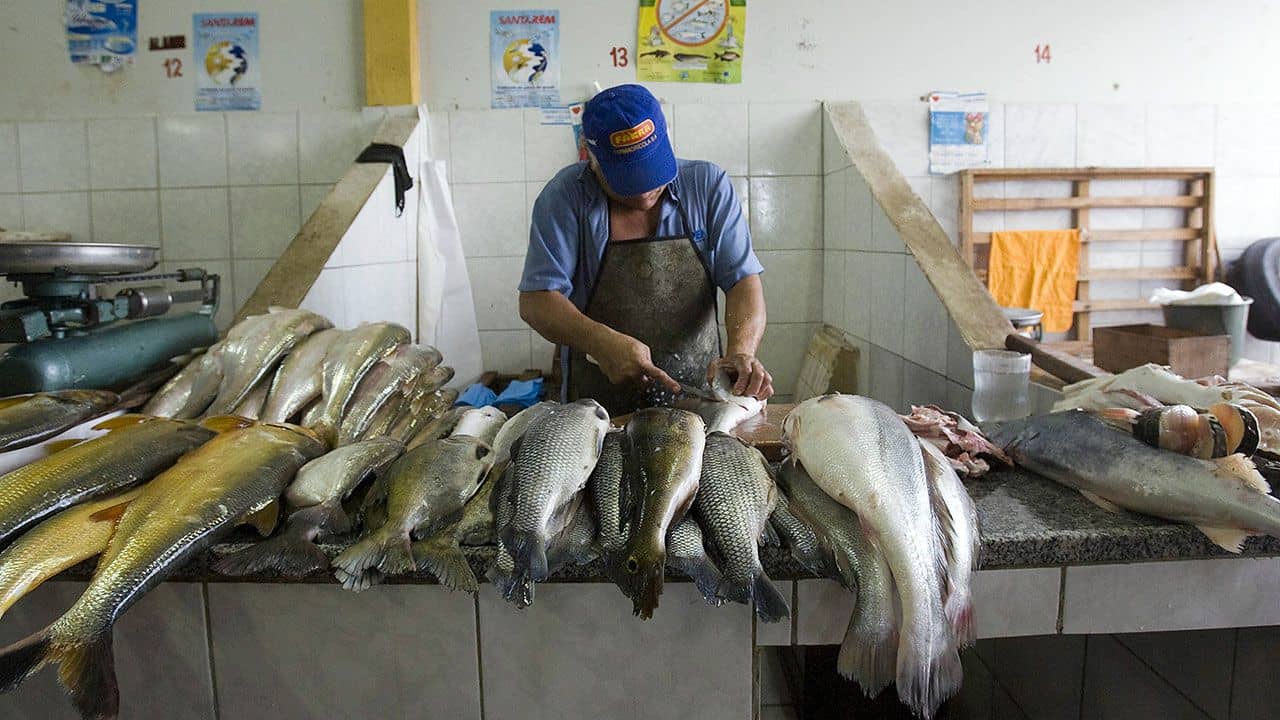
623,359
748,374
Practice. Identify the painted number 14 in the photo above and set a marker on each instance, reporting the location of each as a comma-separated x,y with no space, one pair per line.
1042,54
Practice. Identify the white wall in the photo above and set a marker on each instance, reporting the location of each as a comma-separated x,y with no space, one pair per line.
1154,50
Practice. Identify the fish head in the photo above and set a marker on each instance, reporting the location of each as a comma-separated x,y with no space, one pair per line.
97,399
595,407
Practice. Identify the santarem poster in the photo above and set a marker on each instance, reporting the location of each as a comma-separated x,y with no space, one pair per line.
524,57
228,67
691,40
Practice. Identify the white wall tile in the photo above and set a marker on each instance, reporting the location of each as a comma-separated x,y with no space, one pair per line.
376,235
1179,135
58,212
782,351
264,220
834,213
779,633
834,156
542,355
193,150
325,297
312,195
547,148
887,299
858,293
1246,209
716,132
384,291
922,386
1155,218
884,236
263,149
1039,135
833,288
195,223
996,135
505,351
903,131
491,218
786,212
487,145
885,383
1110,135
860,213
792,285
494,286
9,158
822,612
122,153
959,357
925,322
1246,139
247,274
330,140
786,139
55,156
126,216
11,212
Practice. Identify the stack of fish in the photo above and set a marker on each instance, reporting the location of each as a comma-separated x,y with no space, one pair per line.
885,514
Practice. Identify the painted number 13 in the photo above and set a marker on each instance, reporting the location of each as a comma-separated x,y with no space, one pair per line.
619,55
1042,53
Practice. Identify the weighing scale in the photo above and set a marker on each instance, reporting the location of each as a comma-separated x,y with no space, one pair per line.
70,331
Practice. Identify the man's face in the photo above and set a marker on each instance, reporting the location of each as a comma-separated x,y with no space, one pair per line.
643,201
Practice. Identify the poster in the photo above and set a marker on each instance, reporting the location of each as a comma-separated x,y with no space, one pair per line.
228,66
691,41
957,131
102,33
524,57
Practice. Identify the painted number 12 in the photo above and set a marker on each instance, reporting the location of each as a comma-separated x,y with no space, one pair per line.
619,55
1042,53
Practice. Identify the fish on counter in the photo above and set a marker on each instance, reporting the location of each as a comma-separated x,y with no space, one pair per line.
797,536
137,449
720,409
175,393
87,430
1225,498
571,529
251,406
58,543
314,499
298,381
515,428
397,374
423,411
958,528
439,427
736,495
863,455
26,420
963,444
662,463
231,479
346,363
254,347
687,554
426,490
481,423
206,378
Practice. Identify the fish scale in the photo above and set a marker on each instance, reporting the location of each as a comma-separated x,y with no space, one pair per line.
603,489
30,420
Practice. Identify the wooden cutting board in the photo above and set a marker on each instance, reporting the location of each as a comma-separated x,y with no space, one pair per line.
764,431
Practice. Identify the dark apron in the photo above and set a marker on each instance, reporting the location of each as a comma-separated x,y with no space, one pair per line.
658,291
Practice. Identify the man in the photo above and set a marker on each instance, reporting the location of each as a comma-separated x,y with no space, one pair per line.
625,254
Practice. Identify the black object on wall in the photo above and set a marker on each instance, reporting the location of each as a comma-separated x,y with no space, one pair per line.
1257,275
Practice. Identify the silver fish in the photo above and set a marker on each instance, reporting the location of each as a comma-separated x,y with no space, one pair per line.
735,497
604,488
174,394
251,406
347,361
188,393
869,652
396,373
863,455
483,424
512,429
687,554
800,539
1226,499
254,346
723,411
958,519
298,381
571,530
422,412
550,464
438,427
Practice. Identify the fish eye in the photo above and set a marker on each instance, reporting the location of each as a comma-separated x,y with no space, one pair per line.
632,566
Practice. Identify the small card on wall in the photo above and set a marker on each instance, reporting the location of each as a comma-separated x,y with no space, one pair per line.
524,58
228,65
957,131
102,33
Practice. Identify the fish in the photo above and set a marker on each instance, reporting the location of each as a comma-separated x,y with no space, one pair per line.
655,54
251,406
868,654
1226,498
728,56
722,411
571,530
687,554
482,423
550,464
315,501
298,381
863,455
176,392
28,420
426,490
662,462
514,428
962,544
687,57
800,539
234,478
60,542
423,411
86,430
137,451
205,381
438,427
604,488
254,347
345,365
476,526
736,495
397,373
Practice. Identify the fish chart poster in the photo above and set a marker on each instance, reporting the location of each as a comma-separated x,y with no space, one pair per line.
957,131
102,33
691,40
228,65
524,56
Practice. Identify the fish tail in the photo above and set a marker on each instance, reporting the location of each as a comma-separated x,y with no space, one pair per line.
770,605
706,576
442,557
868,655
959,610
397,557
928,668
291,553
529,550
86,668
24,658
355,566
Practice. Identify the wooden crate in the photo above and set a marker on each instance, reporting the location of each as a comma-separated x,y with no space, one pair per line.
1190,355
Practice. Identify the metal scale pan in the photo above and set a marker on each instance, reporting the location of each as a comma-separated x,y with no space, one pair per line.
39,258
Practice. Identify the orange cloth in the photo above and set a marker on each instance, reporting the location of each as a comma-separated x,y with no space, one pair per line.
1036,269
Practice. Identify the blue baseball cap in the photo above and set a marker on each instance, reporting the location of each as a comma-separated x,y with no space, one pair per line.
627,133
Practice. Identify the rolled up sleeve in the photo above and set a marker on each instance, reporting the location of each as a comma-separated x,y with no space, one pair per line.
729,236
550,260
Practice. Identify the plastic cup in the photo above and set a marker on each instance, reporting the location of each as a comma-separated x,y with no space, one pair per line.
1001,381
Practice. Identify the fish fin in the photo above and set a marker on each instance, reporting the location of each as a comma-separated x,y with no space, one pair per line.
24,658
769,536
771,607
529,550
1101,502
644,588
354,565
1242,468
263,518
225,423
928,670
376,494
290,553
110,514
943,524
397,557
442,557
959,610
57,446
1229,539
88,671
868,655
704,573
121,421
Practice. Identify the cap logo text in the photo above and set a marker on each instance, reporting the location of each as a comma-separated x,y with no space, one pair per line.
632,136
